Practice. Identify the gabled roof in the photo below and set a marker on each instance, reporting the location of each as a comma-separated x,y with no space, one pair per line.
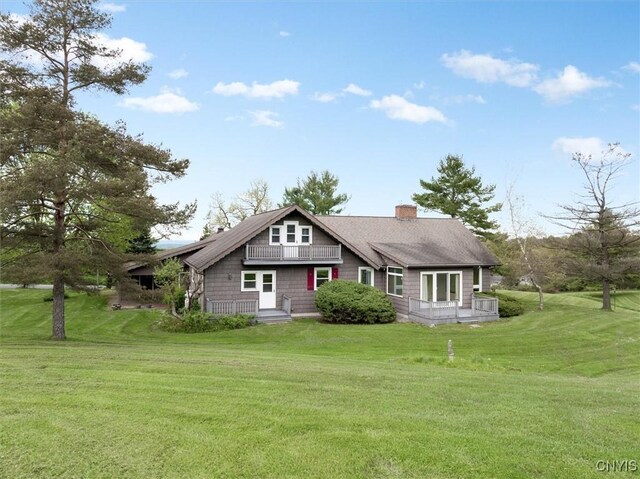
237,236
420,242
174,252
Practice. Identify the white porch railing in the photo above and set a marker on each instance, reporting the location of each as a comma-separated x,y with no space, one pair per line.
433,309
484,304
232,307
293,253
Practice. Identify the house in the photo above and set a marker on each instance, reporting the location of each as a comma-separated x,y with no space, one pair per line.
271,264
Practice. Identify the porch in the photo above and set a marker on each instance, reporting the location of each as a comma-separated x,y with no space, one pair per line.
250,306
292,254
483,308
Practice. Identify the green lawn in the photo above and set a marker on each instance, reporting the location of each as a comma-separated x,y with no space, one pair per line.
542,395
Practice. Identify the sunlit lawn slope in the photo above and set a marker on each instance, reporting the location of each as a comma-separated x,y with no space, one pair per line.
543,395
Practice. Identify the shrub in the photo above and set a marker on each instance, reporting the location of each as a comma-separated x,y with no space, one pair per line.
508,306
350,302
202,322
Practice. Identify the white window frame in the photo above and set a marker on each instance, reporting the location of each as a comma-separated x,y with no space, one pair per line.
315,275
310,228
401,274
448,273
242,280
271,243
477,287
285,238
370,269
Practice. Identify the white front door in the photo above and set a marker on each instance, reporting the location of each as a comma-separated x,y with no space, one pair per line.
266,282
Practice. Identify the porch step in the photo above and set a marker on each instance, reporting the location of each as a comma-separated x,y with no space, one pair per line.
468,320
272,316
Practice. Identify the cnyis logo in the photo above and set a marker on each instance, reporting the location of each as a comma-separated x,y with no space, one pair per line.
625,465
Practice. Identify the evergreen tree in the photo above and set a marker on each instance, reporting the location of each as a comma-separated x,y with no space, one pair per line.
459,193
317,194
65,177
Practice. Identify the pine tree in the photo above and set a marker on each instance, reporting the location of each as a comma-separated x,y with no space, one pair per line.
459,193
66,176
316,194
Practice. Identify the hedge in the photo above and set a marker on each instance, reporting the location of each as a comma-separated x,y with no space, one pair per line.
342,301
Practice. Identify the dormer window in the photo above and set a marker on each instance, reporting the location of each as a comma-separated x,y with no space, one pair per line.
291,233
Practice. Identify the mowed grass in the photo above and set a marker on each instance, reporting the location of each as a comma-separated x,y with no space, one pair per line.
547,394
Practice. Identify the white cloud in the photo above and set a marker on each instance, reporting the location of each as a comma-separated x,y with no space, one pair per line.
636,107
168,101
178,73
420,85
398,108
284,33
633,67
266,118
356,90
130,50
234,118
276,89
593,145
112,7
488,69
567,84
325,97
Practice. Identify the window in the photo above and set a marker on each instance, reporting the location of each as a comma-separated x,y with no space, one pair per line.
477,278
291,233
274,237
365,275
394,281
249,281
305,234
438,286
321,276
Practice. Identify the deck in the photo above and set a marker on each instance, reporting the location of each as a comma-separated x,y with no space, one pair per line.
484,308
292,254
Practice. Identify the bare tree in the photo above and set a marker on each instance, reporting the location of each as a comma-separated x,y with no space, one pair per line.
253,201
524,231
603,243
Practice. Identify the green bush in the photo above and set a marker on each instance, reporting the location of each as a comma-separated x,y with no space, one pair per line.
508,306
202,322
350,302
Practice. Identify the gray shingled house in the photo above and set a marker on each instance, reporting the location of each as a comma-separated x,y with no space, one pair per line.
271,264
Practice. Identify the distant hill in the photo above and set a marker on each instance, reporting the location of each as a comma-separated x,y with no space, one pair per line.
168,244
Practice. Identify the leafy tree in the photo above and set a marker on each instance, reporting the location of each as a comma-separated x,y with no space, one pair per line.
169,276
457,192
602,245
317,194
252,202
64,175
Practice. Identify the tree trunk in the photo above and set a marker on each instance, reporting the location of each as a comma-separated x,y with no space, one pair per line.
540,298
58,276
58,307
606,295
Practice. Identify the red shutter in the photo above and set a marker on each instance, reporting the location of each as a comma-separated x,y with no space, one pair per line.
310,280
334,273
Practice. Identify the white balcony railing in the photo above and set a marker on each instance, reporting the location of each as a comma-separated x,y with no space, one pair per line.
293,253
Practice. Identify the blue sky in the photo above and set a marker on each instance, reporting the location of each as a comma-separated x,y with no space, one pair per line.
379,92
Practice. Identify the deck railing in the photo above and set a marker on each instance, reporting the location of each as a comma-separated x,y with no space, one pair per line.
433,309
232,307
294,253
484,304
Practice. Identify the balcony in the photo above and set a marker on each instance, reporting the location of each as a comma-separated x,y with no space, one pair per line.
292,254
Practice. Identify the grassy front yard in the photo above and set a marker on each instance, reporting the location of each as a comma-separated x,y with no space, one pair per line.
542,395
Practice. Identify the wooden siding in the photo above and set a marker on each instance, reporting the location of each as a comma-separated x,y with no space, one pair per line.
290,280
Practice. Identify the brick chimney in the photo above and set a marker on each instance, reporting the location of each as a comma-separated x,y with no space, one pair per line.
406,212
